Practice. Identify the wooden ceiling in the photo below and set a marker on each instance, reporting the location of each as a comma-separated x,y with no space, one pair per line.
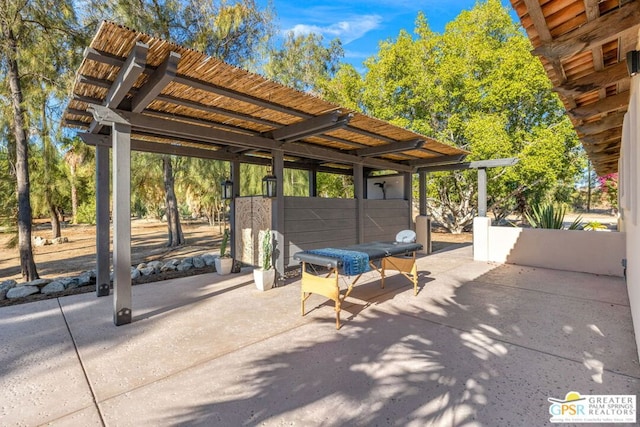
180,101
583,45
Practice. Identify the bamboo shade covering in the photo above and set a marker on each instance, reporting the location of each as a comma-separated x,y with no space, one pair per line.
208,92
583,46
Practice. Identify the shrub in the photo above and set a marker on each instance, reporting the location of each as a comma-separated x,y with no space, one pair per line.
547,215
87,213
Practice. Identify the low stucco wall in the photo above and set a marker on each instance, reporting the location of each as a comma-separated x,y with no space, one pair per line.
596,252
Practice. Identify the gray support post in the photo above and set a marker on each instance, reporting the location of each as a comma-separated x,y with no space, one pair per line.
408,196
422,198
313,182
121,223
482,192
358,192
235,178
277,213
102,220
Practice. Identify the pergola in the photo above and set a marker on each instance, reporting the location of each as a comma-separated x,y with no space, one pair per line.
137,92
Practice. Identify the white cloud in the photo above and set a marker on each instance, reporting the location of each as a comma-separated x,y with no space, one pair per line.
347,31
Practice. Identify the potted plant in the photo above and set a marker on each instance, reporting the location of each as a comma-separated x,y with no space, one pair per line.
265,276
224,262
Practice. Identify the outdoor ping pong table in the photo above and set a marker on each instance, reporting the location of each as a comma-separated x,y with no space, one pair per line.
354,261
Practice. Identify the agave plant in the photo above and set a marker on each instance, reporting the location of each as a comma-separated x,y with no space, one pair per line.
547,215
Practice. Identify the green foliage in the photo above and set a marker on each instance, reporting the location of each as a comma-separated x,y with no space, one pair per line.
296,182
267,249
303,62
608,185
475,86
87,212
235,31
594,225
547,215
224,243
334,185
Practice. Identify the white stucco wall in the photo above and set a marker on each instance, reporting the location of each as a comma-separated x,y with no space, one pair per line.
629,194
596,252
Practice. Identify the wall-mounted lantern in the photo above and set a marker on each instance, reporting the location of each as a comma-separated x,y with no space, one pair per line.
269,186
227,189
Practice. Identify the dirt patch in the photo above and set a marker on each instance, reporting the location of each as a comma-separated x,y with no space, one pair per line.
441,240
148,243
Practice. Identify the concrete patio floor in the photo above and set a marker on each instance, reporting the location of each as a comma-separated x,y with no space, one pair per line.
481,344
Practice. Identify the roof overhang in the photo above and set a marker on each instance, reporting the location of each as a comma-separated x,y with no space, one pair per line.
583,46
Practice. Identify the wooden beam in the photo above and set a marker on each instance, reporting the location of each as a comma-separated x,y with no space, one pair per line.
594,33
438,160
607,122
129,73
164,128
604,149
203,153
309,127
594,81
126,78
540,24
395,147
606,105
480,164
607,135
537,18
160,78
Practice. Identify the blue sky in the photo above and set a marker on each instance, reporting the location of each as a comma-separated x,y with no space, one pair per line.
361,24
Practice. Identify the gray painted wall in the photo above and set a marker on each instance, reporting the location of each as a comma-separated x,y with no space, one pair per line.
315,222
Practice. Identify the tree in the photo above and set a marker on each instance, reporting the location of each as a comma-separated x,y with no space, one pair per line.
608,185
77,155
231,31
303,62
29,28
204,195
477,87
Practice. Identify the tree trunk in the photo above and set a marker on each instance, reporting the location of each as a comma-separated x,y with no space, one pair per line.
589,186
55,221
27,264
74,196
176,237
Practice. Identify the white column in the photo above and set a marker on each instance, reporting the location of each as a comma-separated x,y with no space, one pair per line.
481,242
631,193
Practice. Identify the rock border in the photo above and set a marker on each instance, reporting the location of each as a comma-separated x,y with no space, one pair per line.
12,292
